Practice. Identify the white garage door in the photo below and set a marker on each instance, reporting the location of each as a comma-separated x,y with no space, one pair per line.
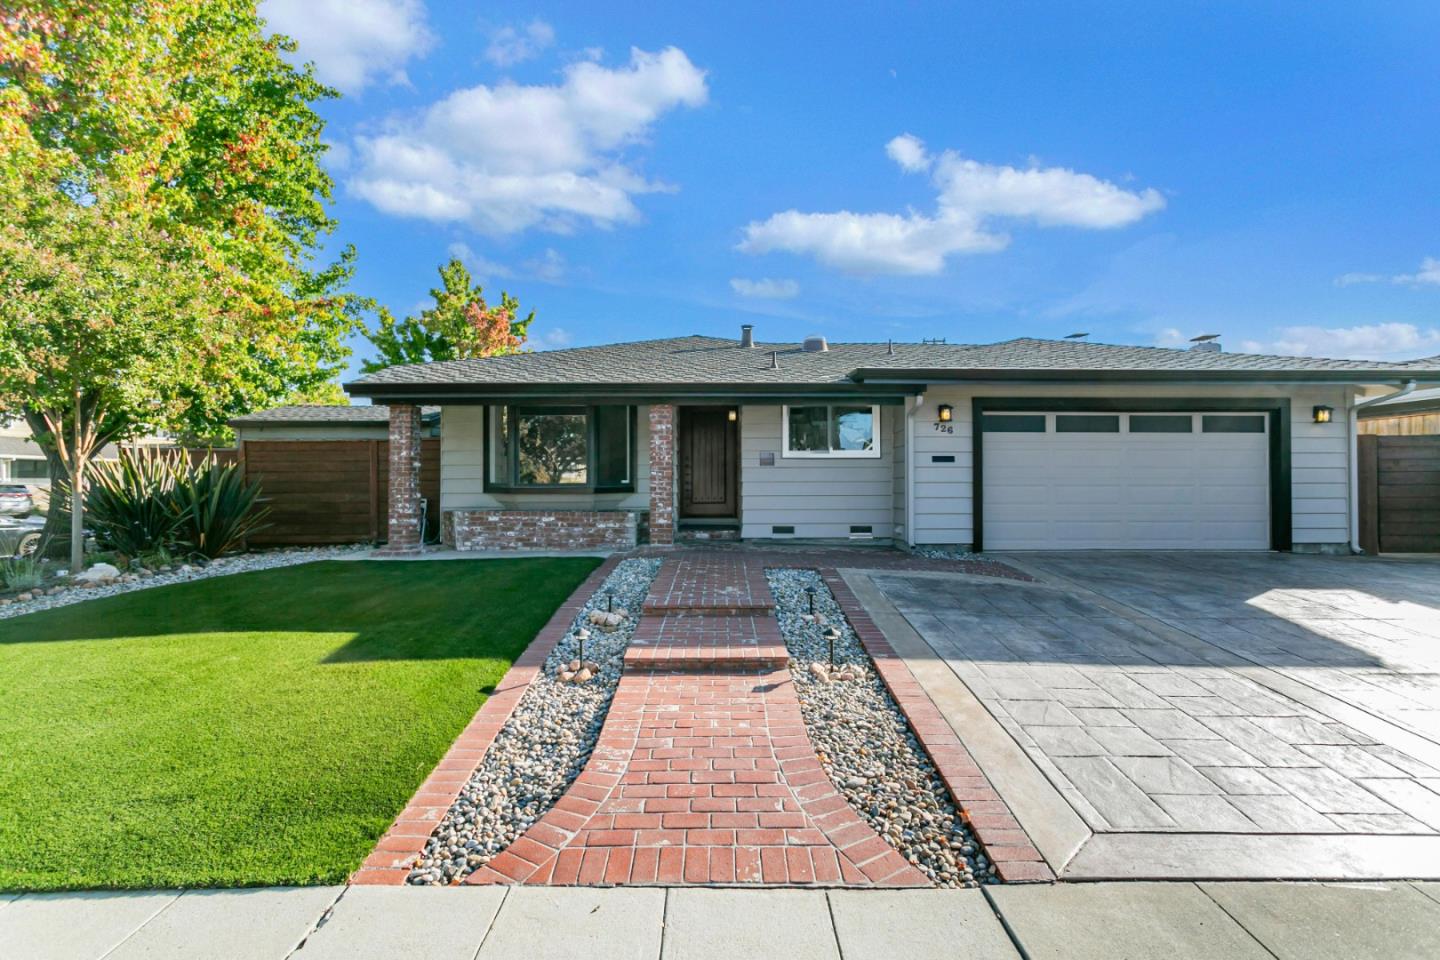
1159,481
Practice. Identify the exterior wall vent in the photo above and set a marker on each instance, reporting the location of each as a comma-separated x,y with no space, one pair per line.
816,345
747,335
861,532
783,528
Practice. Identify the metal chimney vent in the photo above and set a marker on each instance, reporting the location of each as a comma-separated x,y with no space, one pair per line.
1206,343
747,335
816,345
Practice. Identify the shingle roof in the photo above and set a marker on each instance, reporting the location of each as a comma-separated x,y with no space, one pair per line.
317,413
714,360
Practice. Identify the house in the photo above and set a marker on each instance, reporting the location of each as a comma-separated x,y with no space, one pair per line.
1024,444
1414,414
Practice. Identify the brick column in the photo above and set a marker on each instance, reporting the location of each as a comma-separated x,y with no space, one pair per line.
662,473
405,535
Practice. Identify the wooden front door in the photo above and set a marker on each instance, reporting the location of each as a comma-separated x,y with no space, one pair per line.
709,462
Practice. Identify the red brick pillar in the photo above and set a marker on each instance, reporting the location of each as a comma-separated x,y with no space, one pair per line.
662,473
404,508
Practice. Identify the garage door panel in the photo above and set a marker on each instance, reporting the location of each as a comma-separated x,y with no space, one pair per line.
1126,491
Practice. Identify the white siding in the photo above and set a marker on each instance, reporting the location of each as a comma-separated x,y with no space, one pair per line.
820,497
1320,462
462,470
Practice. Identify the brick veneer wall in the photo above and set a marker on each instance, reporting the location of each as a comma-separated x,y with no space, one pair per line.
540,529
404,533
662,474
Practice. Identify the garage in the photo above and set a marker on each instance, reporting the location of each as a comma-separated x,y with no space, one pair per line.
1107,480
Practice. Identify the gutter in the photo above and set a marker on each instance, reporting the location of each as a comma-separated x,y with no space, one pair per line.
1353,420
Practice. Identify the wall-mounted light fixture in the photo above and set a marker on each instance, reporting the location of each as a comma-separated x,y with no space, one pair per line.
946,412
1323,413
732,416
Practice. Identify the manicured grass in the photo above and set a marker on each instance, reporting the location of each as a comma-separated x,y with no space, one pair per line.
261,728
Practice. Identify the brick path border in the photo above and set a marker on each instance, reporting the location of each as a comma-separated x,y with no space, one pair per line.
1005,842
390,862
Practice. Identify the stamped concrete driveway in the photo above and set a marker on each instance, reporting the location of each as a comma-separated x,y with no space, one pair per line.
1194,715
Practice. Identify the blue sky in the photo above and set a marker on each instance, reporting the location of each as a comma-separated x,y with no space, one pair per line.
1144,172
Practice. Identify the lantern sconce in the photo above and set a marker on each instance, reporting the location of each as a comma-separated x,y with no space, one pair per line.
733,415
946,412
1323,413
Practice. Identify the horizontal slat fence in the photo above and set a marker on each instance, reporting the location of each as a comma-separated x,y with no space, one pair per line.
1400,493
332,491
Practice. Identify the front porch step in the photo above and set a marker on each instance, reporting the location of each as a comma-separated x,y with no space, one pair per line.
706,642
707,533
725,586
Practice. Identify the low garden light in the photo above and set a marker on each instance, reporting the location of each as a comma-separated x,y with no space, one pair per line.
1323,413
582,635
810,598
610,602
946,412
831,635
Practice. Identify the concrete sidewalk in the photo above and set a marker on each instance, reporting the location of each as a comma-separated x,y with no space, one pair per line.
1114,921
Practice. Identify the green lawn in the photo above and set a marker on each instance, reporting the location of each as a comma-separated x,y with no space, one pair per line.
260,728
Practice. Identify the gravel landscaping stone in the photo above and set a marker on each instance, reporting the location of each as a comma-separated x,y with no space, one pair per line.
945,553
546,742
864,741
62,592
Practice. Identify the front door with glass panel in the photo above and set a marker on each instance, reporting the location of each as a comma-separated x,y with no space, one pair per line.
709,456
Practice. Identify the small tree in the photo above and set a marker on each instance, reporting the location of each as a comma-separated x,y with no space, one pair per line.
458,327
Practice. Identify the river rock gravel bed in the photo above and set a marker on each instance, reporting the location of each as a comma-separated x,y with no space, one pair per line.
44,598
544,745
865,743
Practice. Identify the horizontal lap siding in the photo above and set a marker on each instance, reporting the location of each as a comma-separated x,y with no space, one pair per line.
1320,463
820,497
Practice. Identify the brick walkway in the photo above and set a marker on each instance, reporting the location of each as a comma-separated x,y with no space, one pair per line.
703,772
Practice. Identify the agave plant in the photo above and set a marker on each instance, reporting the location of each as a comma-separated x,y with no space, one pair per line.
216,508
131,501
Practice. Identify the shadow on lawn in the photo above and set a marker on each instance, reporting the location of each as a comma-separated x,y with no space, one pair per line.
390,611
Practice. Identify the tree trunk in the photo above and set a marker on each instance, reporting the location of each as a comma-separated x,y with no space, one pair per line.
70,438
79,455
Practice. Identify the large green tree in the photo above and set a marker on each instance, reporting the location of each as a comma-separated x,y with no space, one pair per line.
165,205
459,326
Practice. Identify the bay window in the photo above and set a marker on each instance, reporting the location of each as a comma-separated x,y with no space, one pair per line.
831,430
538,448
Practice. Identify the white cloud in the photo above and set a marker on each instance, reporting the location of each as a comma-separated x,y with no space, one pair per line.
1171,337
510,157
352,42
1379,341
549,267
512,45
908,151
481,267
765,288
553,339
970,195
1428,274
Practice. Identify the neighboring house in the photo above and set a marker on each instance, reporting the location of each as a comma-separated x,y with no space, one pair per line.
1025,444
323,471
1416,414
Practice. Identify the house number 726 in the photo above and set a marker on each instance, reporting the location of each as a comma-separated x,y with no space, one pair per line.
944,427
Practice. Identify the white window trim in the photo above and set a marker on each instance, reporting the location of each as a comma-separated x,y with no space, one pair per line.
872,454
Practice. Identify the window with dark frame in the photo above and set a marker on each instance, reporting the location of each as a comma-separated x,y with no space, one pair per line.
831,430
1232,423
570,448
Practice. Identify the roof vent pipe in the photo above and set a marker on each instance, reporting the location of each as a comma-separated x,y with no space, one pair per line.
747,335
816,345
774,360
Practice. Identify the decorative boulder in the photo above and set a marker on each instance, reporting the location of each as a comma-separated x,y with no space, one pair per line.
101,571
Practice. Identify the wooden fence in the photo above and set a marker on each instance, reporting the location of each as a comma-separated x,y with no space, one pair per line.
1399,494
332,491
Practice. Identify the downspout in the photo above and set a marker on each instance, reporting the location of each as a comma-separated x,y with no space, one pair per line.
910,410
1354,422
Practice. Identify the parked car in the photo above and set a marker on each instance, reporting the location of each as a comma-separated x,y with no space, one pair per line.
15,500
19,539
